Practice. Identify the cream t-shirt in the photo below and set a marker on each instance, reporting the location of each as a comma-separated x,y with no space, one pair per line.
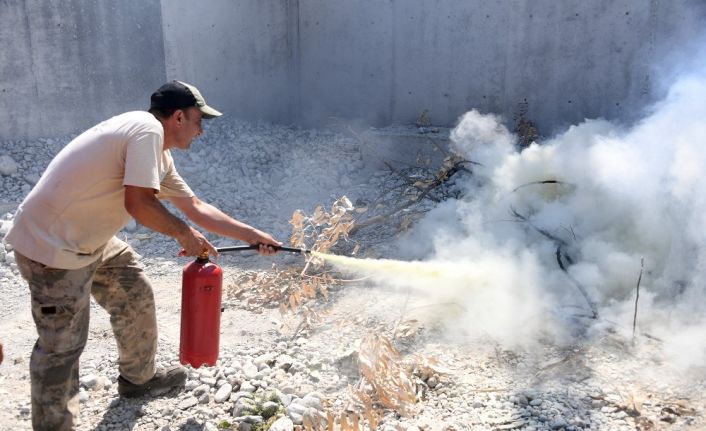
78,203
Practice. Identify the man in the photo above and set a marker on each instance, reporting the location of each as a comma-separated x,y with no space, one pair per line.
65,246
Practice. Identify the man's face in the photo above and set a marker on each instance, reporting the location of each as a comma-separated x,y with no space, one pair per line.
190,127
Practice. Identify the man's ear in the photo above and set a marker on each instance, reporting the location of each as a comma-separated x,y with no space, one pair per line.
179,116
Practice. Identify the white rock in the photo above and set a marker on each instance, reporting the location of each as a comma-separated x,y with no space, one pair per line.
205,372
31,178
210,381
188,402
263,360
250,370
131,225
289,390
284,399
235,396
83,395
282,424
296,408
433,382
203,389
7,165
5,227
89,381
312,401
223,393
284,362
247,387
296,418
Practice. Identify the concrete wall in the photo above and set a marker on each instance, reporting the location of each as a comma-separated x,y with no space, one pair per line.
66,64
238,53
384,61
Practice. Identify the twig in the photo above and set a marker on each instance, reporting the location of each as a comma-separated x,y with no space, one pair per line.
554,238
458,166
411,183
381,217
539,182
591,304
637,297
438,147
559,255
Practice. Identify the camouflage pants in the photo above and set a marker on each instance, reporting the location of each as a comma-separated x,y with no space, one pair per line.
60,308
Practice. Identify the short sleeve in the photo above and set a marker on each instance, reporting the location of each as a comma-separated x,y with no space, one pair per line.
142,160
173,185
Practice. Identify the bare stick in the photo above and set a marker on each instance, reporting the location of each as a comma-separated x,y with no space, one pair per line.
539,182
637,297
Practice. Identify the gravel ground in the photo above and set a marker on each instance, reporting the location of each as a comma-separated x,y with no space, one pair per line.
600,381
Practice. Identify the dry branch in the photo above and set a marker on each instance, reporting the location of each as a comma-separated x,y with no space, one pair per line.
452,165
560,256
293,289
410,182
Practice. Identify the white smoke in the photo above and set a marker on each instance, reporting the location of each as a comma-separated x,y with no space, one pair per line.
611,196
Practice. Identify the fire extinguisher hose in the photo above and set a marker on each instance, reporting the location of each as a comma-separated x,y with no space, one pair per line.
255,247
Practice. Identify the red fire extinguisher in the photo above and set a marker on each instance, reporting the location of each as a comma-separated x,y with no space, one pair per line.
201,288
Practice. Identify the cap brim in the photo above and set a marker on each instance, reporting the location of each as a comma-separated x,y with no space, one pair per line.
207,112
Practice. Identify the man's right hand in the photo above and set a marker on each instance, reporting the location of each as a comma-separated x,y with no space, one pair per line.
267,244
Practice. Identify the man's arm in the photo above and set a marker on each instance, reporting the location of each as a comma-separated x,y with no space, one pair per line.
216,221
141,204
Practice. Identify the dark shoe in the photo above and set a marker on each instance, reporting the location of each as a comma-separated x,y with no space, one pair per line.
163,381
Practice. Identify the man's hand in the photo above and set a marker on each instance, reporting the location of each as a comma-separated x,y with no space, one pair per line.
267,244
193,243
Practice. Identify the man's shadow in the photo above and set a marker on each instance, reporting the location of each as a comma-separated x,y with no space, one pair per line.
125,412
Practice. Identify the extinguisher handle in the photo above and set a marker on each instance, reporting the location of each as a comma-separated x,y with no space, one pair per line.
256,246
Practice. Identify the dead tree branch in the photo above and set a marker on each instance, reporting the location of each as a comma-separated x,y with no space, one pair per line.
452,165
410,182
382,217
